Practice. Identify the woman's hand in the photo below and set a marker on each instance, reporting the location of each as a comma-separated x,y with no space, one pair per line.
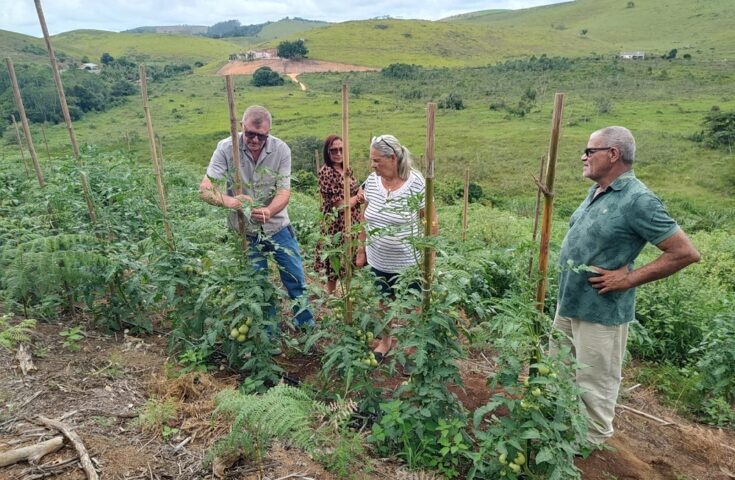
360,258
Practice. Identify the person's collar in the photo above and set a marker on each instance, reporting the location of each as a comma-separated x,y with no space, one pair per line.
622,180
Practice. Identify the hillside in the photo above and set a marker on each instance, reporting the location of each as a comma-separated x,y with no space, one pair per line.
21,47
179,48
177,29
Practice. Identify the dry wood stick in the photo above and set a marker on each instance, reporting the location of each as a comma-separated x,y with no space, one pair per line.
24,121
157,170
32,453
161,162
20,145
346,194
466,201
429,201
543,261
65,109
45,140
76,441
318,168
539,190
236,158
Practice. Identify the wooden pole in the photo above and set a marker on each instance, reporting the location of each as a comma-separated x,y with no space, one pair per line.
161,162
65,109
236,158
20,145
317,165
542,170
24,121
346,192
429,202
157,171
45,141
466,202
543,261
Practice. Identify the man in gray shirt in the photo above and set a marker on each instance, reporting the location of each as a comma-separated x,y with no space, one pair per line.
265,170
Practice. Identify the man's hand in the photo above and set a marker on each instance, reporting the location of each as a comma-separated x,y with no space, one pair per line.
261,215
237,201
611,280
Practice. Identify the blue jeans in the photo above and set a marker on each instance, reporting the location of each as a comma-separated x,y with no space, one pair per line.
285,249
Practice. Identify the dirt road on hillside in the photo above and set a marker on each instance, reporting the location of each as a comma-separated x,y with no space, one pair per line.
286,67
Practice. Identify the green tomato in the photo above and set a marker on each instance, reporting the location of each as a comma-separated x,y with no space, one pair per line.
249,322
503,459
552,375
241,338
543,370
370,337
520,459
515,467
234,333
373,362
243,328
536,392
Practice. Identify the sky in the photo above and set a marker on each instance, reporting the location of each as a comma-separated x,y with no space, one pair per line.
65,15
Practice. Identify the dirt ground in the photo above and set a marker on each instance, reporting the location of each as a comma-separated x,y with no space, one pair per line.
99,390
283,66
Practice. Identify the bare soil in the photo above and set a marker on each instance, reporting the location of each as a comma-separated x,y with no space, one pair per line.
100,389
284,66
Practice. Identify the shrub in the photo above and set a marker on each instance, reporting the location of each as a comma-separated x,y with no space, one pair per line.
452,101
265,77
719,129
401,71
295,49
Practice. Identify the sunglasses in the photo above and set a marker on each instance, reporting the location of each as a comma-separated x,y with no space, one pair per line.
381,139
335,150
251,135
589,151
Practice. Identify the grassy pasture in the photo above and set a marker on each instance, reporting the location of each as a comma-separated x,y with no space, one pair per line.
502,151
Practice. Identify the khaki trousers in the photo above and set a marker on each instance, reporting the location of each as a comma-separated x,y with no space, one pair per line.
600,349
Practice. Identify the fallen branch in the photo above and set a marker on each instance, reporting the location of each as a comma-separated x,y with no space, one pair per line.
665,422
32,453
76,441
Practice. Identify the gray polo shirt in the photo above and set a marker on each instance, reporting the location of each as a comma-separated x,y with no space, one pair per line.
609,231
261,179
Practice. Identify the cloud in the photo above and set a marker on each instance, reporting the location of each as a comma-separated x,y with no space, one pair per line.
64,15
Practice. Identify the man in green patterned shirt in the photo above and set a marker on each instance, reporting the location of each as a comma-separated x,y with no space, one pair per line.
597,281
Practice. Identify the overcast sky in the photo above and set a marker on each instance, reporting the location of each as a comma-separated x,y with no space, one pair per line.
64,15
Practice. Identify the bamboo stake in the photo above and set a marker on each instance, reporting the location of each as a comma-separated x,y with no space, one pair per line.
466,202
346,192
24,121
548,190
157,170
236,158
20,145
161,162
542,170
429,202
318,168
65,109
45,140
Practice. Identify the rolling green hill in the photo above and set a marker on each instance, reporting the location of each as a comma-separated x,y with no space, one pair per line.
21,47
142,46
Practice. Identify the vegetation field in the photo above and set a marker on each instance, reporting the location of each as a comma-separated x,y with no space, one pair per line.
96,304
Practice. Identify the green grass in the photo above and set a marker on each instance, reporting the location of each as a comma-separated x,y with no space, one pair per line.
190,115
143,46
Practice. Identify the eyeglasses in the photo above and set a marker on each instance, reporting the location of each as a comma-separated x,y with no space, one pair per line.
379,139
261,136
335,150
587,152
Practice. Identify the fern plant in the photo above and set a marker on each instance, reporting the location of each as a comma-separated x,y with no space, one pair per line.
285,413
12,335
48,266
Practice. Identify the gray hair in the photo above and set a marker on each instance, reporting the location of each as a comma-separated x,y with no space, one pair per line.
388,145
258,115
620,138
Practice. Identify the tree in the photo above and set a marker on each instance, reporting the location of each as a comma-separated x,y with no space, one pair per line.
583,32
106,59
671,55
631,4
265,77
295,49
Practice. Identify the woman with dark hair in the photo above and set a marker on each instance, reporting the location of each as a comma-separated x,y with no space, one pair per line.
331,187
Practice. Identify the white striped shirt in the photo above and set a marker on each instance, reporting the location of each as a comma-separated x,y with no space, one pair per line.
392,217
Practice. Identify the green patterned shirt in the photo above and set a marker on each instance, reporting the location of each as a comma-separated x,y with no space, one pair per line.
609,231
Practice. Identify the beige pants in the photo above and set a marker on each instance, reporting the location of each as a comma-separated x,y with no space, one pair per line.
600,349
